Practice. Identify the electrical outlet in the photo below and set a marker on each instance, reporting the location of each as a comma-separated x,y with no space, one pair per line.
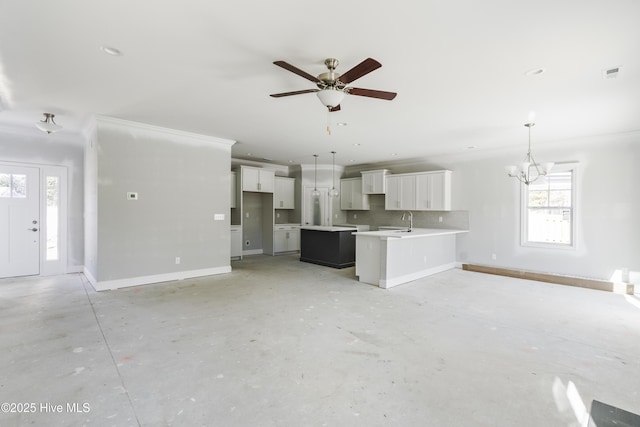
277,214
439,219
494,257
246,214
355,216
177,260
132,196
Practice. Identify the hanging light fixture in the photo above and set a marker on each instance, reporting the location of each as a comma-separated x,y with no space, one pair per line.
529,171
315,192
333,192
48,125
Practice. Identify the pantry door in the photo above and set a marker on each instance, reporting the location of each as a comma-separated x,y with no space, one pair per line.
19,220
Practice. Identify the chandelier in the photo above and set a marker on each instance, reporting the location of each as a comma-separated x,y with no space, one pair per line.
529,171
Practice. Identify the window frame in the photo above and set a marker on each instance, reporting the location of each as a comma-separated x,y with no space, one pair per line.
524,211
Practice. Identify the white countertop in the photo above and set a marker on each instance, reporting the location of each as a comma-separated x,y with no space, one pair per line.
328,228
404,234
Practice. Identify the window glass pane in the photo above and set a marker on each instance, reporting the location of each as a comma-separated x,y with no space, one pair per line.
560,181
18,186
560,198
53,197
549,225
5,185
538,198
542,183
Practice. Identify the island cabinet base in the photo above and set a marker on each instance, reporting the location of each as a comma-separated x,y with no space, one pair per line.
335,249
388,262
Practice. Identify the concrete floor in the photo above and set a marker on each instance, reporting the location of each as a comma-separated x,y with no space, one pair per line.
278,342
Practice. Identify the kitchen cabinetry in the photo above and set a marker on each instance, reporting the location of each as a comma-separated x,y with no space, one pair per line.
433,191
284,193
236,241
234,196
421,191
286,238
351,197
401,190
257,179
374,182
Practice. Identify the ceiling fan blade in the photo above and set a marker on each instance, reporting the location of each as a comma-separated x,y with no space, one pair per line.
365,67
336,108
297,71
380,94
297,92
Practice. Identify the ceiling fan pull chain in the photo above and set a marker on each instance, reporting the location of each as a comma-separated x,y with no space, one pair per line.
329,120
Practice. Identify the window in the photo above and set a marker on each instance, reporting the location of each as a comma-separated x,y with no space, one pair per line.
548,211
13,185
53,221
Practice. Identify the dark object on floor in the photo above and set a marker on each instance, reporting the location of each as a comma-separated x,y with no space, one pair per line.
603,415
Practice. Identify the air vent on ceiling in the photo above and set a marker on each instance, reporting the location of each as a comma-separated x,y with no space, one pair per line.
611,73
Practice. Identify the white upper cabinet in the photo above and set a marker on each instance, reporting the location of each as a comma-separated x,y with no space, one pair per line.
374,182
400,194
424,191
351,197
257,179
283,195
433,191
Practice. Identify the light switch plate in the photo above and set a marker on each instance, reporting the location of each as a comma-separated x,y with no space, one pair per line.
132,196
218,217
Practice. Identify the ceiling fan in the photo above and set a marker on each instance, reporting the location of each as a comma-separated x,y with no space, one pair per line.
332,86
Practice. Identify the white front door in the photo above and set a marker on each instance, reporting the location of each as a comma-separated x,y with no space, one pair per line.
19,221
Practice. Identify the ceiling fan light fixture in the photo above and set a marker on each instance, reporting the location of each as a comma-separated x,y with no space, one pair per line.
330,97
48,125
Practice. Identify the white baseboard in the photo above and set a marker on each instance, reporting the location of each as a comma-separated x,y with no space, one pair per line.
389,283
156,278
75,269
252,252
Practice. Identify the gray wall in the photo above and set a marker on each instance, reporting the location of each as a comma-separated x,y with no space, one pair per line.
181,181
59,149
608,228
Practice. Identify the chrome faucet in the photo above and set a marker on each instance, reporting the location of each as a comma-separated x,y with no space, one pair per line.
404,214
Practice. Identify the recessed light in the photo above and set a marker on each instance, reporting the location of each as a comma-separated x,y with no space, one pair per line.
356,144
351,161
394,154
249,154
111,51
471,147
290,161
341,124
535,72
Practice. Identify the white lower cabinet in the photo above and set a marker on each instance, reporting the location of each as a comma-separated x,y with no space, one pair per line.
286,238
236,241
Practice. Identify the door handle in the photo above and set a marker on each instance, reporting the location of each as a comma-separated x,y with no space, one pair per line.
32,229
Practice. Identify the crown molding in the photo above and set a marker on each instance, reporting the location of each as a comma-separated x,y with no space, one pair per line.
137,126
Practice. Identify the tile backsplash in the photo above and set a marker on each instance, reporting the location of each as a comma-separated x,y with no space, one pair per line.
378,216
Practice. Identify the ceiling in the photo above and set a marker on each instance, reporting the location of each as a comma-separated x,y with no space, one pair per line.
459,68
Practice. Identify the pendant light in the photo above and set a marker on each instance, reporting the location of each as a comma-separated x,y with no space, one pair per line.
334,192
529,171
315,192
48,125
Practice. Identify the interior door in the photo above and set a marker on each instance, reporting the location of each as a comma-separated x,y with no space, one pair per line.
19,221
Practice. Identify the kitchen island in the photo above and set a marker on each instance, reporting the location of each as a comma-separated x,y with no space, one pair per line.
330,246
392,257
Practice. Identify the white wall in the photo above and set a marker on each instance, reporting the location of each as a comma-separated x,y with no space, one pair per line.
182,180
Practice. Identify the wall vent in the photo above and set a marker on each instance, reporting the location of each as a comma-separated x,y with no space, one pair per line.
611,73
